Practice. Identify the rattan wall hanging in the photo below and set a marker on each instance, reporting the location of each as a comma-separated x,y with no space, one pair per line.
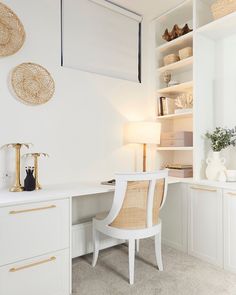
12,33
32,83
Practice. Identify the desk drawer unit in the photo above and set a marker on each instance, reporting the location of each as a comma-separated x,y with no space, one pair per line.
33,229
42,275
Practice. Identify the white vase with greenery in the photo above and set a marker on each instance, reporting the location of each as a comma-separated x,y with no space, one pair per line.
220,139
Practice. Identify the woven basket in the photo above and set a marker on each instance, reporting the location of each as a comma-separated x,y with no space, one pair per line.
170,59
223,7
32,83
185,52
12,33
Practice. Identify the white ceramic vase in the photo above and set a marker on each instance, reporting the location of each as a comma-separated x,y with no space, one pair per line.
216,167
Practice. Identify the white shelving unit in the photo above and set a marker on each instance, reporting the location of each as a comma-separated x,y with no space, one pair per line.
182,72
209,75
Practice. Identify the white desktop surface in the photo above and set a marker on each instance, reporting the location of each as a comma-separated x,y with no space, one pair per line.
71,190
52,192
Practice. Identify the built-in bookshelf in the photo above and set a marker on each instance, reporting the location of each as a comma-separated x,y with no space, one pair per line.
208,75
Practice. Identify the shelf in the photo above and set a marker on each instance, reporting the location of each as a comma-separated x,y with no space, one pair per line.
176,116
219,28
179,43
180,66
177,89
184,148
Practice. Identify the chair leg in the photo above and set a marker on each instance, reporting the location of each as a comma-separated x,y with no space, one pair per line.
131,260
137,246
158,251
95,246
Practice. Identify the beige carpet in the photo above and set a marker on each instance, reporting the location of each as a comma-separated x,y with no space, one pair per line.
182,275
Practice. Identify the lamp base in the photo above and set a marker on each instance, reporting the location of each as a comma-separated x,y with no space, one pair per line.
16,189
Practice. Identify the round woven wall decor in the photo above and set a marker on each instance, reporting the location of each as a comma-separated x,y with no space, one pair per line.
32,83
12,33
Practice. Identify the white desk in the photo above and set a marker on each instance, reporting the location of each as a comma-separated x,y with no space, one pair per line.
38,238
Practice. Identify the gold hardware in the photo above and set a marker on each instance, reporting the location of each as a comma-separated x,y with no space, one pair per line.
203,189
36,156
17,186
32,209
14,269
232,194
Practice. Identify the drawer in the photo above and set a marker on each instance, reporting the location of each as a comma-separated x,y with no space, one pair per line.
42,275
33,229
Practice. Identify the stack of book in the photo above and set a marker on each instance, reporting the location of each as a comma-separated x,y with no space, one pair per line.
180,170
166,106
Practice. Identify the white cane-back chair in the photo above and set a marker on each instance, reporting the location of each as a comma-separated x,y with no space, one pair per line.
134,214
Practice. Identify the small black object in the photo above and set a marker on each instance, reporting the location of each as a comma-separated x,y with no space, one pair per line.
29,182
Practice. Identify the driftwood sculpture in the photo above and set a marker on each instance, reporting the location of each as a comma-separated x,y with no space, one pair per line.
176,32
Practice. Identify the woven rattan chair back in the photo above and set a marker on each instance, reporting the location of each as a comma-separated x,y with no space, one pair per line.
141,197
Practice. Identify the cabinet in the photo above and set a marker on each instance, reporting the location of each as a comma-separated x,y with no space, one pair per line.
205,233
35,241
43,275
230,230
174,217
33,229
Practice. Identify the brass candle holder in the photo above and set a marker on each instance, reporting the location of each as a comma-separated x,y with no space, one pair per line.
17,187
35,157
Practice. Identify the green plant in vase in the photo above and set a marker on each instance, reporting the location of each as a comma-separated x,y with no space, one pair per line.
220,139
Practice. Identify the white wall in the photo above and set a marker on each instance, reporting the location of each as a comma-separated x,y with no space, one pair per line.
81,127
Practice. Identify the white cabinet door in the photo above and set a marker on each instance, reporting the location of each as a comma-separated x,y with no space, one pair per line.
33,229
174,217
205,224
42,275
230,230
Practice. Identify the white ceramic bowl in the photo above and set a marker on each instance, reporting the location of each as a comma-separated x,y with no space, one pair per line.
231,175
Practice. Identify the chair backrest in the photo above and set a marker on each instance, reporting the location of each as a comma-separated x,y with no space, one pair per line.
137,200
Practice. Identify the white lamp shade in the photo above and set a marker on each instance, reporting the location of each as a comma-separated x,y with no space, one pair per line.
143,132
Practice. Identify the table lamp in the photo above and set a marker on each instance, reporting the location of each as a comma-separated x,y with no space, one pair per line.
145,132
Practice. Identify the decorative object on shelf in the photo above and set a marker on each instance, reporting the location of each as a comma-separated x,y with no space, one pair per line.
180,170
32,83
170,59
221,8
36,176
12,35
177,139
185,52
167,77
17,146
184,103
176,32
220,139
143,133
215,166
29,182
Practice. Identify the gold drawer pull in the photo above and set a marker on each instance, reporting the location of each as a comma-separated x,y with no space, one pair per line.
204,189
232,194
14,269
32,209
